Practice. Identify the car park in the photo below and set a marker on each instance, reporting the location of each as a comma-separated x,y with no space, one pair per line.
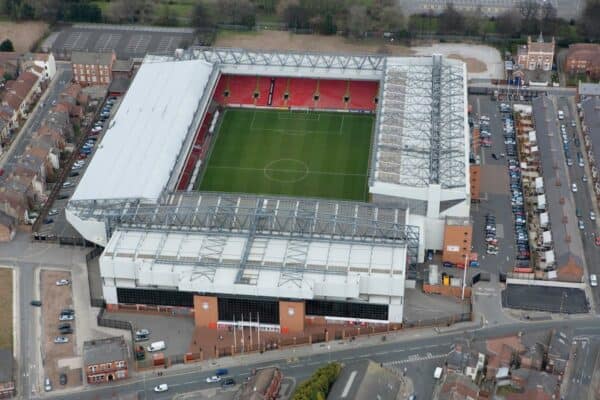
61,340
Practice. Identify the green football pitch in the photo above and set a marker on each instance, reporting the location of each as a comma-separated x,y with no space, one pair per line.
307,154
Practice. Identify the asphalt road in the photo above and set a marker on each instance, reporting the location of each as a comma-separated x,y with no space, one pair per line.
583,196
62,78
585,353
411,353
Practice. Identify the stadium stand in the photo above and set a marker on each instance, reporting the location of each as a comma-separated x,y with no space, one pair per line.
195,154
301,92
280,89
331,94
362,95
263,86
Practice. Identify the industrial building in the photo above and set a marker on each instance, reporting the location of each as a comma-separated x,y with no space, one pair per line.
285,259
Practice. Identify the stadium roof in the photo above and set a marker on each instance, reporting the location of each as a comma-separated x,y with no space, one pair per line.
422,132
273,266
141,146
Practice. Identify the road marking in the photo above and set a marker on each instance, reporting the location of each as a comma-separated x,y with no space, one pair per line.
348,384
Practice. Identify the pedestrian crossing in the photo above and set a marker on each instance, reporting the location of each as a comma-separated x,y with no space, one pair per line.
415,358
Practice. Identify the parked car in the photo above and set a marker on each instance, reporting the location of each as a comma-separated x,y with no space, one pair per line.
66,325
64,317
47,385
48,221
52,212
593,280
574,187
66,331
67,184
228,382
61,340
36,303
63,379
213,379
63,282
592,215
163,387
67,311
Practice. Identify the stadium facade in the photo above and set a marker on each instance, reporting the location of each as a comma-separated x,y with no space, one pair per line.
286,258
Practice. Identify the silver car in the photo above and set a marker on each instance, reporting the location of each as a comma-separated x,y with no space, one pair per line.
61,339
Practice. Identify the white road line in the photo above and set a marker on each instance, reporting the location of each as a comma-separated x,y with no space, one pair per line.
348,384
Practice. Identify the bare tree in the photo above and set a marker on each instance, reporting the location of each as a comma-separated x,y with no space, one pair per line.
358,21
131,11
589,23
509,23
451,21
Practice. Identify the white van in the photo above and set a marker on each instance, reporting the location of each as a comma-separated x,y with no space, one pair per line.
157,346
437,374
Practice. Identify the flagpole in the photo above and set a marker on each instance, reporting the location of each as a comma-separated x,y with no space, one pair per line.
234,335
251,335
258,329
243,341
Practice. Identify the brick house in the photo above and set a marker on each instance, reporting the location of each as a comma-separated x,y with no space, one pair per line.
90,68
536,55
19,94
45,63
105,360
14,200
583,58
51,136
29,177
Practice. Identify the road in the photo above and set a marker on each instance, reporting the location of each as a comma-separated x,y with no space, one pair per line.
61,80
411,353
583,196
585,353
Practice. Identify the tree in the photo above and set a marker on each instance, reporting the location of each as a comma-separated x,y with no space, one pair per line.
451,21
202,17
548,19
358,21
509,23
6,45
166,16
589,24
131,11
237,12
296,16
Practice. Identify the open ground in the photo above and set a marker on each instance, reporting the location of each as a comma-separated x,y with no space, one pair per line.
6,308
482,61
23,35
308,154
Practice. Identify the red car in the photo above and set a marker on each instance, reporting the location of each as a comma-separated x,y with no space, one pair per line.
597,240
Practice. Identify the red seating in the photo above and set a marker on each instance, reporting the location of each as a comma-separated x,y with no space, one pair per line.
331,94
281,88
264,83
195,154
363,94
301,92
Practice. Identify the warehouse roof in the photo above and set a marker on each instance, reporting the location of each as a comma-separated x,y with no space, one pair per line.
143,141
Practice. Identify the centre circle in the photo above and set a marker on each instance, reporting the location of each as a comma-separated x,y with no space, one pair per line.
286,170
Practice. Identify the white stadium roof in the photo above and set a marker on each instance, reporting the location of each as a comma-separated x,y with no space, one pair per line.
422,130
139,150
189,262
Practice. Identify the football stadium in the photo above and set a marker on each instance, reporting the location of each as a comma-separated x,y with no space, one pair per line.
296,186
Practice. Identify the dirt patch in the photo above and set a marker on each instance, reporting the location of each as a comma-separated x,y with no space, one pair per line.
54,299
23,35
285,41
6,308
473,64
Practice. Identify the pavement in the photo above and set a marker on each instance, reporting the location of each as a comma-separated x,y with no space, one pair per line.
411,349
